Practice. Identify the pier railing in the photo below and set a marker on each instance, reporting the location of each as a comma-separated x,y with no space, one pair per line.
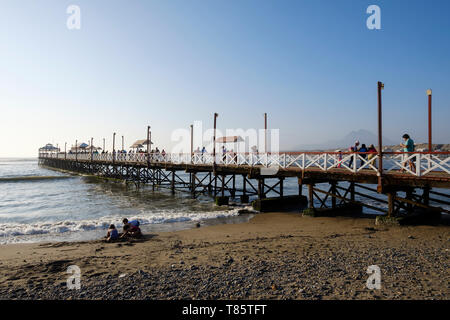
412,163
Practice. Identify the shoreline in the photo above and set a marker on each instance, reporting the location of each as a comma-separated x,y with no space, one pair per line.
243,214
271,256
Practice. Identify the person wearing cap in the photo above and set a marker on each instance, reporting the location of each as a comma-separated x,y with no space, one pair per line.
353,149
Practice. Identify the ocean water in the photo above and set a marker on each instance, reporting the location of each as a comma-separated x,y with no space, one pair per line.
40,204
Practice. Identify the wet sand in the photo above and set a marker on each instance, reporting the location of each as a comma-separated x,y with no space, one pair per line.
272,256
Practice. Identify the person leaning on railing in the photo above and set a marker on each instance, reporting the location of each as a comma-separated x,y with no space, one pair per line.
353,149
363,155
372,153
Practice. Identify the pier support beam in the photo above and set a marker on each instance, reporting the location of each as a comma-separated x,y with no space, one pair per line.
300,187
391,203
261,194
311,196
281,187
172,185
333,192
244,196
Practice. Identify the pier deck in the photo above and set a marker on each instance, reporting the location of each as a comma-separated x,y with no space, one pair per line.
217,175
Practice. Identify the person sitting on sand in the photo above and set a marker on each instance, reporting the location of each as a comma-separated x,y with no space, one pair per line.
130,231
112,234
134,223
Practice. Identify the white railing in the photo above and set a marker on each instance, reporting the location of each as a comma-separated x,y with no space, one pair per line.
416,164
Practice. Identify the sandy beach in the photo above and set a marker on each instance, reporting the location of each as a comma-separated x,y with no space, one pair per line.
272,256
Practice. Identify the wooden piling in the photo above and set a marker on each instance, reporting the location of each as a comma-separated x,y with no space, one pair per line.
311,196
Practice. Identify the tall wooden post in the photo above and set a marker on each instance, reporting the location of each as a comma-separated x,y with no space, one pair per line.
265,132
192,143
430,145
380,139
214,140
148,146
114,148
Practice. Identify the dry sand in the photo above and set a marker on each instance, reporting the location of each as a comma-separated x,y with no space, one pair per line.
273,256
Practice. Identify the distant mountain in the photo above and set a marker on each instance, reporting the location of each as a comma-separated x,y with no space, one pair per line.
364,136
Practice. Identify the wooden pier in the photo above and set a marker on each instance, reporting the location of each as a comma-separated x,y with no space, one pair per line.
261,174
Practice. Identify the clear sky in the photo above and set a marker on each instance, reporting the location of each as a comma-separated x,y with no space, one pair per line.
312,65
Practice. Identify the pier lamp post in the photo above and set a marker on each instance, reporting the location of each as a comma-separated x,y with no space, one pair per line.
92,147
148,145
430,145
214,140
380,139
265,132
76,150
114,150
192,143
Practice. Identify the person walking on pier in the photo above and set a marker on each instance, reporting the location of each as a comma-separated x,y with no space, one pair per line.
408,146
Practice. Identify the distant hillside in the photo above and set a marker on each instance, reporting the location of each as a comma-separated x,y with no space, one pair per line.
362,135
423,147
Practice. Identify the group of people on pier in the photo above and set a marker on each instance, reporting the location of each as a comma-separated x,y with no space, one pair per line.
371,152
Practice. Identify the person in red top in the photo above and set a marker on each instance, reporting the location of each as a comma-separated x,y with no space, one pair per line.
131,231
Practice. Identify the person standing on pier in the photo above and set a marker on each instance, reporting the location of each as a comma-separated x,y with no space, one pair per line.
224,154
363,156
408,146
353,149
203,153
372,154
